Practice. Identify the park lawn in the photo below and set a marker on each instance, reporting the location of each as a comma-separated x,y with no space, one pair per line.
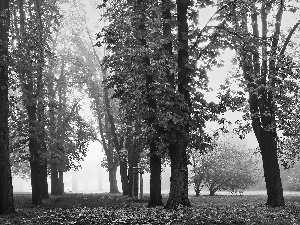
116,209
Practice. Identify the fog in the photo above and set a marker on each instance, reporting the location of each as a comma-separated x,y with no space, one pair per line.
91,178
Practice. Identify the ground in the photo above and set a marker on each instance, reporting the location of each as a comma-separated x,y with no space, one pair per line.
116,209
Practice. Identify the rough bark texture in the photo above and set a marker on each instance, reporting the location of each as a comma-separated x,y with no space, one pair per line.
6,188
268,146
44,183
259,77
124,177
155,180
113,185
177,150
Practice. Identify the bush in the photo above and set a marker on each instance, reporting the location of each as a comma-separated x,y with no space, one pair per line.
227,166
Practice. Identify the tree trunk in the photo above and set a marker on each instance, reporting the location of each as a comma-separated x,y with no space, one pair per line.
6,188
178,184
124,177
197,188
132,161
35,182
54,180
268,146
155,180
61,187
44,183
155,176
259,76
177,149
34,154
211,192
113,185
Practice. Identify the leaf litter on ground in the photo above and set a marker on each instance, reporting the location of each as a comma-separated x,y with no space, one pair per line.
117,209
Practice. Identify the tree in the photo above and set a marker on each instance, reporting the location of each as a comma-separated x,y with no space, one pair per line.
145,54
155,158
266,68
6,189
31,29
68,131
178,147
227,166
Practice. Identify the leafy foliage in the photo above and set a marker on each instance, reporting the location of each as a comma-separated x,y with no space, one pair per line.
227,165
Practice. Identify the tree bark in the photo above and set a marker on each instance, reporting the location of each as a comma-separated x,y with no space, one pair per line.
113,185
6,188
44,183
34,154
124,177
177,149
268,147
261,101
155,179
132,161
31,88
54,180
61,186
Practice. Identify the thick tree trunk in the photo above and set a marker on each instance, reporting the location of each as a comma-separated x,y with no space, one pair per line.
34,154
6,188
113,185
61,186
177,150
155,180
259,76
268,146
35,182
124,177
44,183
54,180
179,174
211,192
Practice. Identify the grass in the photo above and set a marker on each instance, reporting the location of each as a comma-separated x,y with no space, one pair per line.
116,209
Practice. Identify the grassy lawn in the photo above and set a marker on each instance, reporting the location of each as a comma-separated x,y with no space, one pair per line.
116,209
